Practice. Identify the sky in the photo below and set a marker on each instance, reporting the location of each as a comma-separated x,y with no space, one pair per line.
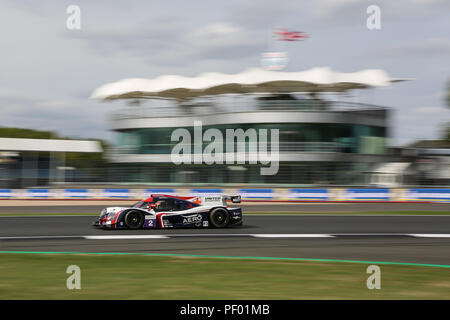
48,71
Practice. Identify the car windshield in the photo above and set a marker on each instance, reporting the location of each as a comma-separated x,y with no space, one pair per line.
141,204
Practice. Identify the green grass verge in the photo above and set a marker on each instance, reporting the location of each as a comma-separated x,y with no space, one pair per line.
43,276
400,212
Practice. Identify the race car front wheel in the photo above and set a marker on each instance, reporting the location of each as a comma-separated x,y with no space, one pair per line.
134,220
219,218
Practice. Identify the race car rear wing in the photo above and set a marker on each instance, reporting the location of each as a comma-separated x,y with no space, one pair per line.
234,199
219,199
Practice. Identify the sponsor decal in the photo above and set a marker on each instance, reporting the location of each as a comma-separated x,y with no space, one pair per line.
192,219
205,223
166,223
213,199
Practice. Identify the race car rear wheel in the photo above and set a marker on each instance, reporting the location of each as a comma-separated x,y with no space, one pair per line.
219,218
134,219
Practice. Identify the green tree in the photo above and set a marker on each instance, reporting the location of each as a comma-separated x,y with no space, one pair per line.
447,101
447,94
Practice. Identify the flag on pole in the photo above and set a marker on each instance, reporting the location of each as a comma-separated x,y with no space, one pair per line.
286,35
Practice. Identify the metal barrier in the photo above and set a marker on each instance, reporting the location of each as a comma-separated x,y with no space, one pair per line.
172,109
253,194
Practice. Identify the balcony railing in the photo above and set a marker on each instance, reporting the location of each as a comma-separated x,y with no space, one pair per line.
202,109
286,147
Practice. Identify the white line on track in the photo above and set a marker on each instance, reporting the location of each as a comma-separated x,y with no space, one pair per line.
263,235
39,237
436,235
298,235
217,235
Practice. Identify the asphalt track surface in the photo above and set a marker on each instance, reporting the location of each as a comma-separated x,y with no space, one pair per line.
363,238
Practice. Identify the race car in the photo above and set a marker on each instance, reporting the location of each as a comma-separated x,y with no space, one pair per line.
167,211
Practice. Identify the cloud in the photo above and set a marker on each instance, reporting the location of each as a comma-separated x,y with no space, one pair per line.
326,8
419,47
171,43
431,110
67,118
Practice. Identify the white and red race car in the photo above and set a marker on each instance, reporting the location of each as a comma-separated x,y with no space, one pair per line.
167,211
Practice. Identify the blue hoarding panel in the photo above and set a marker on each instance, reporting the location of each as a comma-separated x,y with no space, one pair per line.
381,194
256,193
38,193
308,194
428,194
5,193
116,193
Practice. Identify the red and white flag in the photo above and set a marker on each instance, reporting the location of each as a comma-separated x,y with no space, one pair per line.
286,35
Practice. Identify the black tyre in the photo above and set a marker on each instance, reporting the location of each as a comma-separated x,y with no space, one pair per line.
219,218
134,219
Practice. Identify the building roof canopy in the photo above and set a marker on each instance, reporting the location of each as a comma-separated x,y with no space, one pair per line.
49,145
248,81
